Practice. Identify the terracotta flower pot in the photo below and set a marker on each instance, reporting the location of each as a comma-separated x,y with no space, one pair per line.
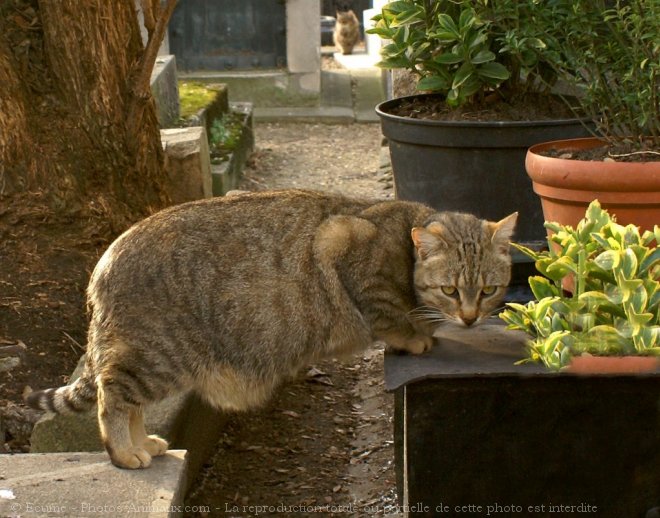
631,190
587,364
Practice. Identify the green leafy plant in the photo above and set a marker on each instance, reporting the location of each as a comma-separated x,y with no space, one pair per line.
225,135
615,301
610,51
466,50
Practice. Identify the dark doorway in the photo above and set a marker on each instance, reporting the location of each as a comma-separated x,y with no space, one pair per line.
229,35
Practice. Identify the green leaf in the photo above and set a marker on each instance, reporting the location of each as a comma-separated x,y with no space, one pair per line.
553,226
466,20
445,36
433,83
383,32
448,58
494,71
594,298
541,287
542,307
397,62
483,56
515,321
398,7
639,300
564,265
470,87
527,251
649,261
598,216
629,263
462,75
408,17
448,25
608,260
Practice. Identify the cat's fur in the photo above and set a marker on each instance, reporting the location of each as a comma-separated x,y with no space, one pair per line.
229,296
347,31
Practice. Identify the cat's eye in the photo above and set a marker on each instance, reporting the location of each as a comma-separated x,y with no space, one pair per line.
448,290
488,290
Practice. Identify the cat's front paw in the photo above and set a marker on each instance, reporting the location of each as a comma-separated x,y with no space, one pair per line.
419,344
415,344
131,458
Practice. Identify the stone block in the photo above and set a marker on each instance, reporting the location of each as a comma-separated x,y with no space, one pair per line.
86,484
165,90
188,163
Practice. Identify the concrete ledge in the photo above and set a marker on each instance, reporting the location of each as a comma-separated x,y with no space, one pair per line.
331,114
86,484
265,87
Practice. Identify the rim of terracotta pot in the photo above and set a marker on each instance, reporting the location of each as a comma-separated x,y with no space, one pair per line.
587,364
568,173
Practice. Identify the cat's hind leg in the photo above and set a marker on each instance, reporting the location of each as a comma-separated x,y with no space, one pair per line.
154,444
114,422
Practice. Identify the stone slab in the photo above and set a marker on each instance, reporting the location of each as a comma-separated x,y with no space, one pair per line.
86,484
165,90
188,163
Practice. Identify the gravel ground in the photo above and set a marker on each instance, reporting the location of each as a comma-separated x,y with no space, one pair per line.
333,157
323,446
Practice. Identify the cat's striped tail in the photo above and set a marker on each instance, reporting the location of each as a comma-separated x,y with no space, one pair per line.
77,397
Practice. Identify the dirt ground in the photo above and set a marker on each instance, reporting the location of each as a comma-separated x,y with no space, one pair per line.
324,443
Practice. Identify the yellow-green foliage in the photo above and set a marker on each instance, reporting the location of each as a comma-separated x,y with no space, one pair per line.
193,97
615,305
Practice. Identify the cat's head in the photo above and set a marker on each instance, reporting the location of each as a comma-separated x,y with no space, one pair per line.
346,16
462,267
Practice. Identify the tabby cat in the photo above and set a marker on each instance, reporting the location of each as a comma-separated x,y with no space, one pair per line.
228,296
347,31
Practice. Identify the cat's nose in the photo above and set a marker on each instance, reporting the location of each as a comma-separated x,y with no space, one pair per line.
468,321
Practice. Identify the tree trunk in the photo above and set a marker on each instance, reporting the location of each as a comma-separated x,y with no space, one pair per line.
78,126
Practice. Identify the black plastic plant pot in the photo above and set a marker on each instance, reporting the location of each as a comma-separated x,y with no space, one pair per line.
471,166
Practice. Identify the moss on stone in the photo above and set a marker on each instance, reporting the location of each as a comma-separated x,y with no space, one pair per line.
193,97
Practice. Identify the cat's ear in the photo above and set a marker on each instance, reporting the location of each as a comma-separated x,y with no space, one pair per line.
428,239
503,232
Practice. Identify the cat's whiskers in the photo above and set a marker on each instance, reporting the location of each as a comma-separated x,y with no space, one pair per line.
427,313
493,312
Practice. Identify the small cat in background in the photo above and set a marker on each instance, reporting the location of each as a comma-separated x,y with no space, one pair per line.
230,296
347,31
